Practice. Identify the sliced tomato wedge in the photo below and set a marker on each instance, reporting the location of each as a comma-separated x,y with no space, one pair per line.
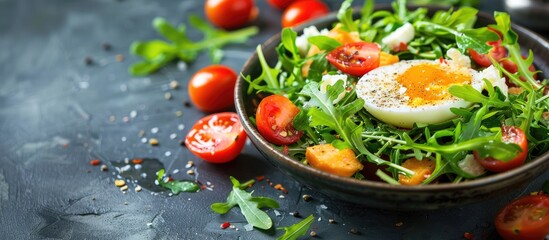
217,138
357,58
510,134
526,218
274,117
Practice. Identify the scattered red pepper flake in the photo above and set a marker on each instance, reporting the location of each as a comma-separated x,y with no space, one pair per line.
260,178
225,225
285,150
137,161
468,236
281,188
95,162
203,187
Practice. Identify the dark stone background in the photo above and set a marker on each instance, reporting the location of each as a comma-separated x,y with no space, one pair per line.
56,114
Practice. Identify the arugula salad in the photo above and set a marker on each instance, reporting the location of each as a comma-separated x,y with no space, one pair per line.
404,96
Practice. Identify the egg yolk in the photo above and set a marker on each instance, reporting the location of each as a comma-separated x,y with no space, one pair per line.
428,83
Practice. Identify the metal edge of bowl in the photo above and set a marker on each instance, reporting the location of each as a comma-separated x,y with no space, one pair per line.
285,163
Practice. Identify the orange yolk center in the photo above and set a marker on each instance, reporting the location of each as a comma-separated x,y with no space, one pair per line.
428,83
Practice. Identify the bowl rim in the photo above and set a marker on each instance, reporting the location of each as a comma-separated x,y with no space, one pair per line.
281,158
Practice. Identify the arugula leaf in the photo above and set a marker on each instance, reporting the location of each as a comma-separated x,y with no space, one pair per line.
249,206
324,43
345,16
175,185
297,230
158,53
268,75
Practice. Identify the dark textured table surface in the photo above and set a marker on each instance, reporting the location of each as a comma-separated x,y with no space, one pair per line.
57,114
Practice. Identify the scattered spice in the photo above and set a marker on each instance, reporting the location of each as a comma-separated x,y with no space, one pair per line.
88,61
106,46
104,168
545,115
141,133
178,113
354,231
174,84
399,224
225,225
260,178
112,118
138,188
95,162
189,164
312,234
119,57
137,161
190,172
187,104
124,188
167,96
331,221
295,214
119,182
468,236
153,142
281,188
307,197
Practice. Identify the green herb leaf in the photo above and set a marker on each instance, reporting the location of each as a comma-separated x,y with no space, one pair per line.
324,43
297,230
177,186
249,206
345,16
157,53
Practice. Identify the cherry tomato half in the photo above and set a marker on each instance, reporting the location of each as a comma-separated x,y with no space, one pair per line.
281,4
274,117
230,14
526,218
357,58
211,89
497,53
217,138
512,67
302,11
510,134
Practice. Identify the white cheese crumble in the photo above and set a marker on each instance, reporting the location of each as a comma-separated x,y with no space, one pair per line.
302,41
471,166
331,80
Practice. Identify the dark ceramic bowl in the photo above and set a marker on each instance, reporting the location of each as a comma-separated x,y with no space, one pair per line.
379,194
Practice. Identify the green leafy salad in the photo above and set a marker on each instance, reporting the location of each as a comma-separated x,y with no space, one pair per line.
404,96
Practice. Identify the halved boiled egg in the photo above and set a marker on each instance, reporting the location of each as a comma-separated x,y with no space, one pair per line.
416,91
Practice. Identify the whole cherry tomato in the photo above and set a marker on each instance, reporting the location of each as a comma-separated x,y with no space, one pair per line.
510,134
230,14
217,138
526,218
211,89
355,58
281,4
302,11
274,117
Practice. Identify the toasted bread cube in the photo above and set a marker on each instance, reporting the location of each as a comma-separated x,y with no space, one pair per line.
327,158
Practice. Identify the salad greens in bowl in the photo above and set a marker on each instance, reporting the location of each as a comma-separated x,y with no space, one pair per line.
401,107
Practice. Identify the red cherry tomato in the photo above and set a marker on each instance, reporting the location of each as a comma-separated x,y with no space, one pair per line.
274,118
355,58
511,67
217,138
302,11
510,134
211,89
230,14
497,52
526,218
281,4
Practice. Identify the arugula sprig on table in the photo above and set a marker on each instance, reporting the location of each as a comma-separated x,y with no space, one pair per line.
297,230
176,186
249,206
157,53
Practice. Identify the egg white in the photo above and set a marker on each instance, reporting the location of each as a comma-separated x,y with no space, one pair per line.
386,100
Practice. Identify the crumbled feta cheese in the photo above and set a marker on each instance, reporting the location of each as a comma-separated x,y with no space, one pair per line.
458,59
492,75
471,166
302,41
331,80
404,34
